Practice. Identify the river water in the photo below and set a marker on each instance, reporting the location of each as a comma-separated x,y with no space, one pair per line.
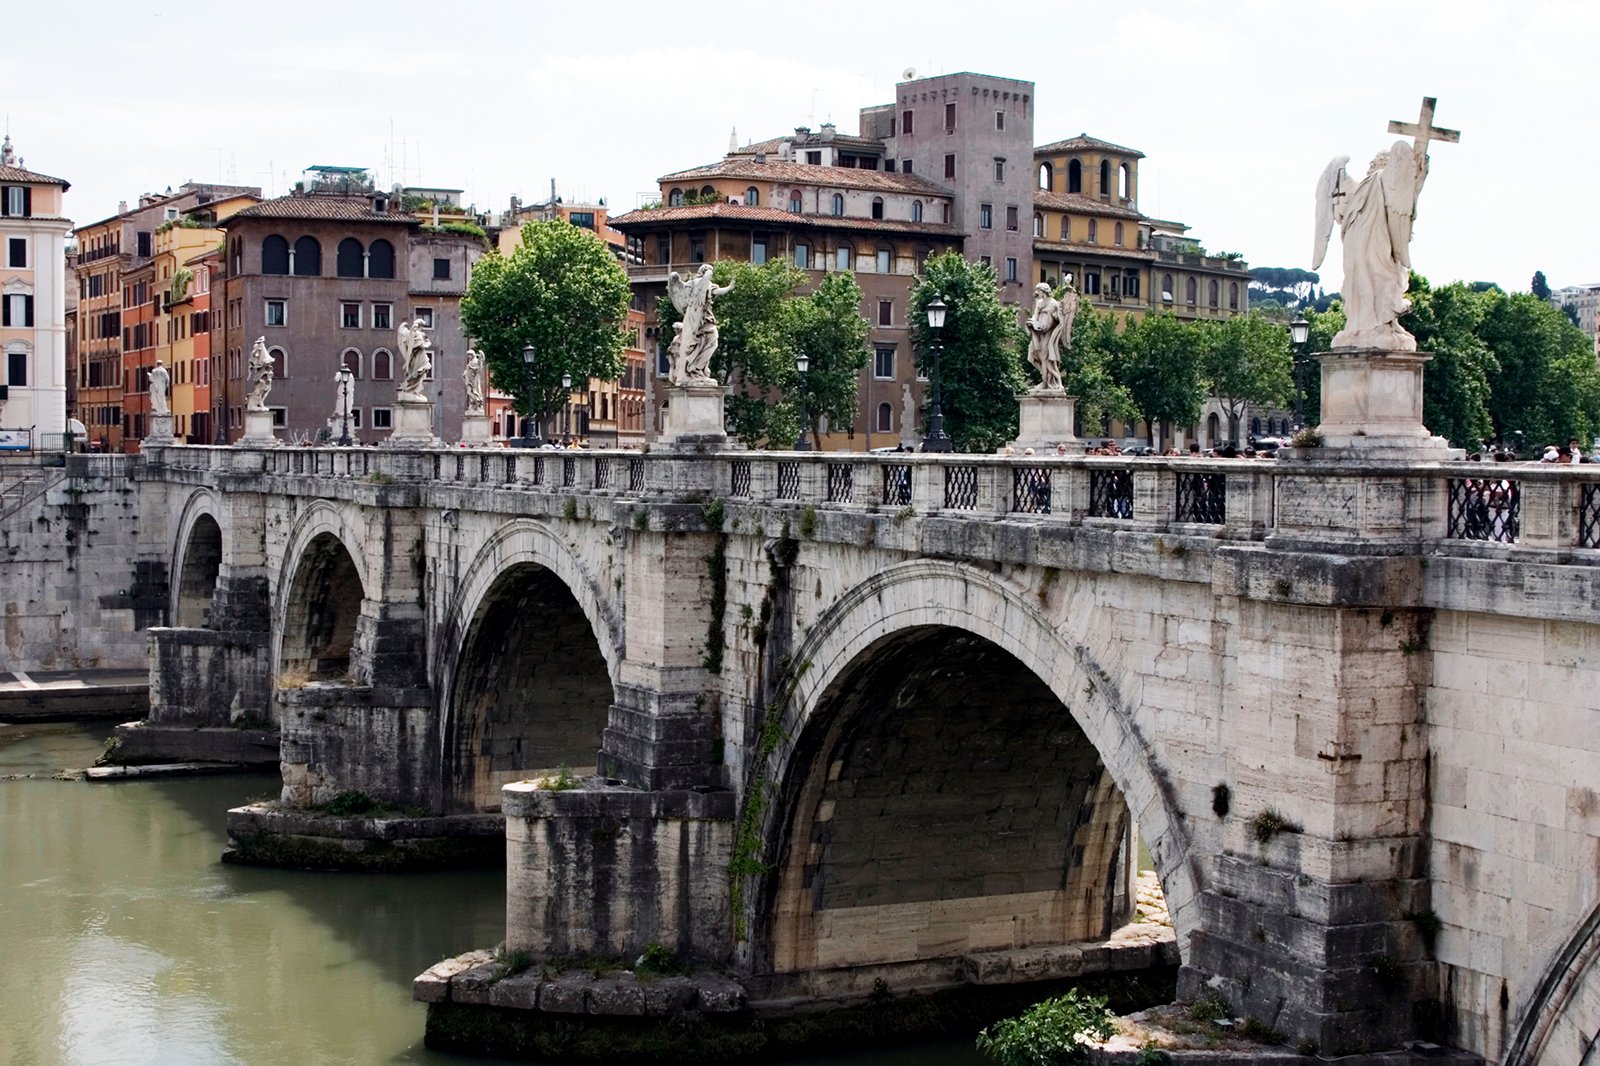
124,940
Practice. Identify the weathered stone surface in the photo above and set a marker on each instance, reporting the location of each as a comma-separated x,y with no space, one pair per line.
565,994
668,995
472,984
519,992
433,984
719,995
621,995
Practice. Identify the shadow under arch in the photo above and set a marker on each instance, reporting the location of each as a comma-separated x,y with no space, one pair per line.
192,586
318,528
919,612
527,666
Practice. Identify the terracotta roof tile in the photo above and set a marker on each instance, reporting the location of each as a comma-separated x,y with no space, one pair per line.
9,173
1079,204
1082,142
792,173
336,208
741,213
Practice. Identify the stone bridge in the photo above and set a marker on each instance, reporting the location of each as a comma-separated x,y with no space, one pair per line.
836,718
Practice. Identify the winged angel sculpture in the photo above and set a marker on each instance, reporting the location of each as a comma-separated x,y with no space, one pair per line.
694,339
1375,218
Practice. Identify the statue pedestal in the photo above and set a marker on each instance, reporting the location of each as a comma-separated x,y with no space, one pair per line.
258,431
475,429
694,417
413,425
1372,407
1046,421
161,429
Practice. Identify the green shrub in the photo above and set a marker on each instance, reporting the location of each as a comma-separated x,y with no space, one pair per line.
1049,1033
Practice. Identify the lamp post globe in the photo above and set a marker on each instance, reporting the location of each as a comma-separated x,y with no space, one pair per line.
1299,332
937,441
802,363
344,379
530,420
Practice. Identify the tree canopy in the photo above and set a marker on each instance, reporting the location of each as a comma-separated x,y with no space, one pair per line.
560,292
981,368
1541,287
1247,364
1161,363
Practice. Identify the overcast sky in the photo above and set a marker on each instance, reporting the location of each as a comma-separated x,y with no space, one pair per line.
1238,106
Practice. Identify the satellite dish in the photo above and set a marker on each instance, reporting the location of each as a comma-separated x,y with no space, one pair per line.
908,73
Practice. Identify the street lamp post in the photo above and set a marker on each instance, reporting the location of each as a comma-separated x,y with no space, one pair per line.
1300,332
530,421
566,409
345,379
937,441
802,363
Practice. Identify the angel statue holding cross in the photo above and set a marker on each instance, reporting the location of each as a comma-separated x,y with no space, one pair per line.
1375,217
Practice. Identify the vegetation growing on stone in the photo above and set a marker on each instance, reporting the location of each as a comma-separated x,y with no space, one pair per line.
1051,1033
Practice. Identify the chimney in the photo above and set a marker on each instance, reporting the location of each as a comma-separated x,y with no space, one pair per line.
122,207
828,131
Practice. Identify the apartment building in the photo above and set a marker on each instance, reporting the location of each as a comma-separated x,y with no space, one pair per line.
33,334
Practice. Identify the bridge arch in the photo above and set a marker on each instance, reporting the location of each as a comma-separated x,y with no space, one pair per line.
528,666
321,586
1561,1022
873,690
196,561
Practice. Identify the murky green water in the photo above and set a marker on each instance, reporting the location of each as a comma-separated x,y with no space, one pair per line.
123,939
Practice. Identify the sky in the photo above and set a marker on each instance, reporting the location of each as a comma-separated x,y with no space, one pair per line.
1237,106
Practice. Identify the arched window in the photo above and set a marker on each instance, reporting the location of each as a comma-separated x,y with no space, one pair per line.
1118,235
307,257
380,259
1074,176
1038,224
274,255
1167,293
675,198
1213,430
885,259
802,255
1066,227
1094,230
280,363
1105,178
1125,182
916,210
351,357
752,197
843,256
1047,176
348,262
885,418
838,203
1233,296
1255,427
1213,294
796,203
877,207
1191,292
382,365
707,192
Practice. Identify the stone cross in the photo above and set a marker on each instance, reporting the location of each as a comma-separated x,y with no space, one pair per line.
1423,130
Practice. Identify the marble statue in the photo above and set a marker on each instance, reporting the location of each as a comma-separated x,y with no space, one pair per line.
416,360
1049,331
160,390
694,339
908,409
472,378
259,375
1375,218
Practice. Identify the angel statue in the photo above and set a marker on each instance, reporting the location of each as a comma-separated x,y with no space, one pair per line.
472,378
1049,331
694,339
259,374
416,360
1374,219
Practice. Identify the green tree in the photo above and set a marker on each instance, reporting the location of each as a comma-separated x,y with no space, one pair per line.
827,326
1160,365
1051,1033
561,292
1324,325
1455,392
1541,287
1087,370
1247,364
1544,382
981,370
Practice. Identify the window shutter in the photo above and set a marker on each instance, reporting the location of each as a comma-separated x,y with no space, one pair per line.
27,310
27,200
5,311
5,200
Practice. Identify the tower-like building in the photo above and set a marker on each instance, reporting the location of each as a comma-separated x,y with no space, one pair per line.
33,331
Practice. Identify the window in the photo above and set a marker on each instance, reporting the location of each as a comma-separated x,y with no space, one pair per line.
307,258
581,219
885,418
382,418
17,369
1213,294
758,251
383,316
838,203
18,311
17,253
885,260
986,216
1167,290
999,120
985,260
1091,283
1105,179
842,256
999,169
883,364
1233,296
274,255
949,165
802,256
663,250
949,118
351,357
441,269
1066,227
814,158
1118,237
1125,184
877,207
1074,176
1011,268
1130,283
280,363
424,315
1094,230
380,259
1011,218
1191,292
905,166
349,260
796,204
752,197
355,418
916,210
1047,176
885,312
382,365
675,198
18,200
905,123
145,240
350,315
697,249
276,313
